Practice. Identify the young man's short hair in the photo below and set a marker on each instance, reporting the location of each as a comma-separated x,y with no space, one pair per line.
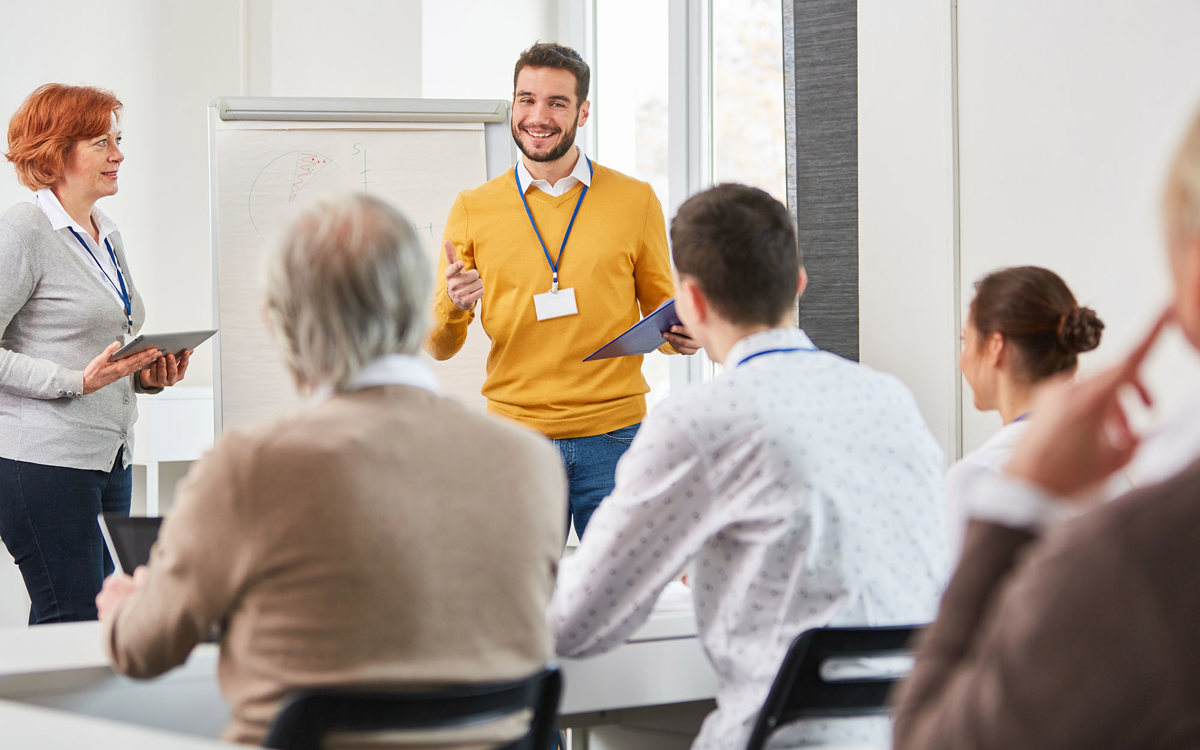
560,57
739,245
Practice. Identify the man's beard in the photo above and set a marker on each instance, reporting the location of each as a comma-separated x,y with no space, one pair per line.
564,145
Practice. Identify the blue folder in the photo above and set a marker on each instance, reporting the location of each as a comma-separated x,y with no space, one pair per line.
643,337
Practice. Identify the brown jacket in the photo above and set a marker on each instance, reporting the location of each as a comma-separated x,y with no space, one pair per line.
384,536
1089,638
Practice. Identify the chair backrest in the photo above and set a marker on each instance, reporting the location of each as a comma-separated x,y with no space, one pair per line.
802,691
307,715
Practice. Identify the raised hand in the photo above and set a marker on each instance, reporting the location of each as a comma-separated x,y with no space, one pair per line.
462,286
1079,434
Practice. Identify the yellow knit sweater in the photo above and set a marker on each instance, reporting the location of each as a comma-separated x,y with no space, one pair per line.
617,262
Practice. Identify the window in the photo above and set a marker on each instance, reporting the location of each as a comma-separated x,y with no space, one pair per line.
747,94
630,113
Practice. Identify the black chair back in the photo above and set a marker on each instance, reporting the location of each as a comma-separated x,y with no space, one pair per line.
801,692
307,715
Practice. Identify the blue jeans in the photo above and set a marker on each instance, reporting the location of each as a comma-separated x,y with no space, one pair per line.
591,464
48,522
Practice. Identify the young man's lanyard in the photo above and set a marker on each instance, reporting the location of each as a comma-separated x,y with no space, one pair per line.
121,290
746,359
553,263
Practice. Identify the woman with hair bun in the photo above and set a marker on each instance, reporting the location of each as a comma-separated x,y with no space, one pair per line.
67,301
1024,327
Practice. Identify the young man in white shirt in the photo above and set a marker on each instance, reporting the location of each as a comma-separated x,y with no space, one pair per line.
798,488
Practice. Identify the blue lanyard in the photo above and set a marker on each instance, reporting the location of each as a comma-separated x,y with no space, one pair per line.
553,264
1023,416
122,291
744,360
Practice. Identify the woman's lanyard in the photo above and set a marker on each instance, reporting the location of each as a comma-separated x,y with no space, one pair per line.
1023,417
553,263
121,290
765,352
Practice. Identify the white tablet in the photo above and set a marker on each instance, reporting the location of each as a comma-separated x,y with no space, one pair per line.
167,343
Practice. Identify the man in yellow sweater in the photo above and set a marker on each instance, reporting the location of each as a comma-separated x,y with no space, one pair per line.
565,254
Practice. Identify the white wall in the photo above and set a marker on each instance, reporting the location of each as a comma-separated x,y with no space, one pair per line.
166,59
348,48
906,202
470,46
1067,113
1066,126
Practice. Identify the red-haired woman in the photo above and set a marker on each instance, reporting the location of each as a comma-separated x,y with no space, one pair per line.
67,300
1023,328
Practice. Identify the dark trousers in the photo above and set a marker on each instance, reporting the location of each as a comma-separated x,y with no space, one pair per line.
48,522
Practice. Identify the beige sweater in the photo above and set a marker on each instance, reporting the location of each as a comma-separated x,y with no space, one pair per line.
385,536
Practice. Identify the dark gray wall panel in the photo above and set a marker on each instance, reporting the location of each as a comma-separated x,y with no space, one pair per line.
821,105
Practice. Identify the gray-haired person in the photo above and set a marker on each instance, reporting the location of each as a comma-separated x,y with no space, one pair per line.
344,543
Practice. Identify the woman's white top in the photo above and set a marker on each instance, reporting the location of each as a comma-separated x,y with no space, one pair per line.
989,459
963,477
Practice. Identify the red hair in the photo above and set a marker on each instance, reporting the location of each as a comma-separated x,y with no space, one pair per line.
45,128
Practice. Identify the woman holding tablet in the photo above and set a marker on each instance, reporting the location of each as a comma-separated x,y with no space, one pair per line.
1023,327
67,302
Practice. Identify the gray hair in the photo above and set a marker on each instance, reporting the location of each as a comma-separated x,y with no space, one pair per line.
347,283
1183,181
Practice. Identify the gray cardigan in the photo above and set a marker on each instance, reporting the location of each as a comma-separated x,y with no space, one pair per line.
57,316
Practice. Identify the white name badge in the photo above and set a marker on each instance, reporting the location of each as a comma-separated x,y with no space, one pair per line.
560,304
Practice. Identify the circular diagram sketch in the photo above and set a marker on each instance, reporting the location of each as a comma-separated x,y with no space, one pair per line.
289,182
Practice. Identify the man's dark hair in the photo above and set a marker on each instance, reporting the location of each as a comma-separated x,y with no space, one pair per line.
739,245
554,55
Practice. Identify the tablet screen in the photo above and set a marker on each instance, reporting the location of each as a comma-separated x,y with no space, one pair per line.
129,539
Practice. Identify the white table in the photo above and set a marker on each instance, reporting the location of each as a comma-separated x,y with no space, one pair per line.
55,684
63,667
25,727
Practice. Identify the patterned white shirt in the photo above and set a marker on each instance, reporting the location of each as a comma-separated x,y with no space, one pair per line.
799,488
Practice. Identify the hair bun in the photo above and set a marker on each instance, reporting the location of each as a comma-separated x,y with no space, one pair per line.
1079,330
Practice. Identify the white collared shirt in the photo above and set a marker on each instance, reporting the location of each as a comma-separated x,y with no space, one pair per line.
395,369
391,369
799,488
581,173
61,221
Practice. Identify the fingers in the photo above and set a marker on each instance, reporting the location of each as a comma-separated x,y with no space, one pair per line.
182,365
154,374
464,289
1134,361
146,358
171,369
680,340
454,267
